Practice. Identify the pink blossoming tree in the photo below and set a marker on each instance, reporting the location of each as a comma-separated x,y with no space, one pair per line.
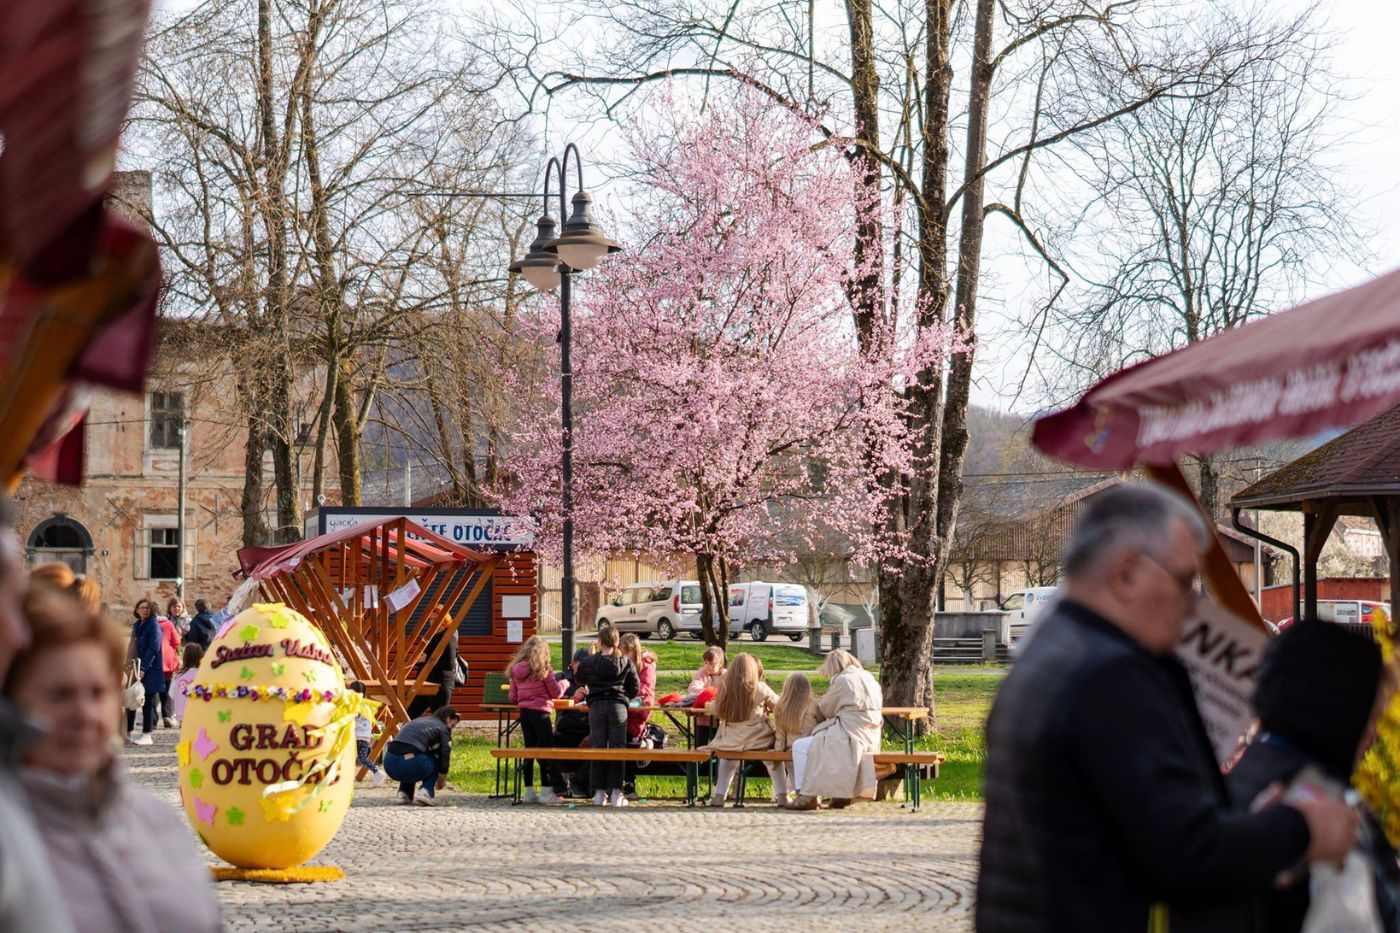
722,408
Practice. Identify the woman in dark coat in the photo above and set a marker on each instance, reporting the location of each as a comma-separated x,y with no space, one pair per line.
1319,694
146,647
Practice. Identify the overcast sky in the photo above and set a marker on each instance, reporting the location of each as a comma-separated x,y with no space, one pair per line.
1369,152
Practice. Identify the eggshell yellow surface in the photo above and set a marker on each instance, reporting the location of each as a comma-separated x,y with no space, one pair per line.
268,709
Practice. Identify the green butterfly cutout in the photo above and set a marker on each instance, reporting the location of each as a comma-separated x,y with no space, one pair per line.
196,778
235,816
325,805
246,673
225,715
309,676
279,669
248,632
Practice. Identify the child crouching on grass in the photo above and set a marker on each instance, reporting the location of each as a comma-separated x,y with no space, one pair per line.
533,687
794,717
364,733
742,708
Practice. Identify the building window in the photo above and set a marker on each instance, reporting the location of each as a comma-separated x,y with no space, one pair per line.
167,411
164,555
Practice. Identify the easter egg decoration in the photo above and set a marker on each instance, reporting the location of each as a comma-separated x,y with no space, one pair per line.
267,745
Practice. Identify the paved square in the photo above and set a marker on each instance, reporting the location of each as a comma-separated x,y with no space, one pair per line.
473,862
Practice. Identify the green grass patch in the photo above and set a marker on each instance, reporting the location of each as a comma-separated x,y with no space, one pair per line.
963,697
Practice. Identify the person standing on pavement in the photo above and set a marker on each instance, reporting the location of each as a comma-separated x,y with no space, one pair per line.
1105,806
28,896
147,641
170,663
533,689
610,681
201,626
124,859
421,754
175,612
444,671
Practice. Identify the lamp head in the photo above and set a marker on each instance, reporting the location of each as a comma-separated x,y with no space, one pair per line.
541,263
582,245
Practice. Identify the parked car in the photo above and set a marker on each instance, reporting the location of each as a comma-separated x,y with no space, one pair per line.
1358,613
659,609
762,609
1022,608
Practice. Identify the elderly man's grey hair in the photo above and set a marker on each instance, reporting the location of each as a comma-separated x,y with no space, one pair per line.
1133,516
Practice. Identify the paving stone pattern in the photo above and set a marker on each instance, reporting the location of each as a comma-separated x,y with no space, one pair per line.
473,862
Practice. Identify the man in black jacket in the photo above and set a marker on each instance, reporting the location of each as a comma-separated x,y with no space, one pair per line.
1104,802
201,626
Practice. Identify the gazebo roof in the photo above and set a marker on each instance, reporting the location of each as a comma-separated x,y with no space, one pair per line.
1350,470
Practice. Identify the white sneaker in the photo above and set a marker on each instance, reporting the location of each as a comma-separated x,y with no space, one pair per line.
618,799
143,739
424,801
376,778
548,797
171,722
600,799
530,796
405,798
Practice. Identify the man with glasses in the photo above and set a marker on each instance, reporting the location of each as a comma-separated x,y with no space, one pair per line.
1105,806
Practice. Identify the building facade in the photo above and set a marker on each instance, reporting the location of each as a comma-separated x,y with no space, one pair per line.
122,526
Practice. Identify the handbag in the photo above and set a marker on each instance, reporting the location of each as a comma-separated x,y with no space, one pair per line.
1342,900
133,693
461,671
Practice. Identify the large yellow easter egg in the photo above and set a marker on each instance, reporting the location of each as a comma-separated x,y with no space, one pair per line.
267,746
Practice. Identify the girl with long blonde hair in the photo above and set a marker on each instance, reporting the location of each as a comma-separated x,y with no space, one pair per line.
742,708
795,715
645,663
533,688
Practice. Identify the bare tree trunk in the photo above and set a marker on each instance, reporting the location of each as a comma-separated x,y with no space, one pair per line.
714,599
323,426
254,528
1210,486
347,436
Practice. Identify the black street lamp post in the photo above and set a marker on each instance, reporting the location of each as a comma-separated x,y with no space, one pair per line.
551,262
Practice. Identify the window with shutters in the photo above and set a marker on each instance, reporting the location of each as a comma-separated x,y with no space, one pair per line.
167,411
164,553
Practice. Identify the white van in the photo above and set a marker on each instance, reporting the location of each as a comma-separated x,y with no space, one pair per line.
762,609
1022,609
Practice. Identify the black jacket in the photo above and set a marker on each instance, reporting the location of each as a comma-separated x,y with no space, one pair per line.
426,735
1314,700
201,630
1103,796
609,678
570,725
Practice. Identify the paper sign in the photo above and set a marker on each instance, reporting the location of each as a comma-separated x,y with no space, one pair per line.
515,607
371,597
515,630
1222,654
402,596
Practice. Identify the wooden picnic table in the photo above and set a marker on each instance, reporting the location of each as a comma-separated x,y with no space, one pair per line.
900,720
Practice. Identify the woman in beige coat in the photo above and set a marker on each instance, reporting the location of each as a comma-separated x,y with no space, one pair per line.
836,759
124,860
742,707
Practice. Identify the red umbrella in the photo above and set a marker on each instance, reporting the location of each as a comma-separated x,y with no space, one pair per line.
1329,363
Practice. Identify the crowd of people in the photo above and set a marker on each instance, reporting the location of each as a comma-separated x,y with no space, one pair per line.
83,848
832,737
163,650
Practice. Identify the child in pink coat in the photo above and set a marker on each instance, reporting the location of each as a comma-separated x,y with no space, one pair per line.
533,687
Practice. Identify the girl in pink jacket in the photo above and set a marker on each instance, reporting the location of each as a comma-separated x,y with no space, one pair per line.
645,663
532,687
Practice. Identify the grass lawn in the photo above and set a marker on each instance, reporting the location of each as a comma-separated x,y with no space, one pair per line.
963,698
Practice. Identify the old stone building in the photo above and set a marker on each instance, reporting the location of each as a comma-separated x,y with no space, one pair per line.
122,526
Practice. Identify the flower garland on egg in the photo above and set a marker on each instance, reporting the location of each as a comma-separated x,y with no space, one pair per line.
246,692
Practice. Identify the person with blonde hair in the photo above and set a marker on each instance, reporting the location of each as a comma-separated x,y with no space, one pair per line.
124,859
742,708
836,760
795,715
533,688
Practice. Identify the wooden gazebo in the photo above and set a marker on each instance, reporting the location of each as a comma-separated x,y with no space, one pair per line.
1357,473
381,592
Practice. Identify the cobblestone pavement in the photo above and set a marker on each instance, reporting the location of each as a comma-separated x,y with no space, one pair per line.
473,862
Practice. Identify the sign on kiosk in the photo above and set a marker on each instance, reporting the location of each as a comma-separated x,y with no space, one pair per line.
473,528
1222,653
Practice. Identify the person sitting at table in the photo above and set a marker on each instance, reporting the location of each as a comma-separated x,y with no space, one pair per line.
609,681
742,707
421,753
836,760
533,689
571,731
795,715
708,677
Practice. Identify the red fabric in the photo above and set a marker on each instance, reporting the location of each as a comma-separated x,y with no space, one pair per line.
169,647
703,697
1329,363
66,75
669,698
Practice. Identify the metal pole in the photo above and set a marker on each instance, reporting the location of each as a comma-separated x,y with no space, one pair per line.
180,517
566,395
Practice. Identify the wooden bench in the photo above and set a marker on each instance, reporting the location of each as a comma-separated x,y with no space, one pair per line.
910,762
691,759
